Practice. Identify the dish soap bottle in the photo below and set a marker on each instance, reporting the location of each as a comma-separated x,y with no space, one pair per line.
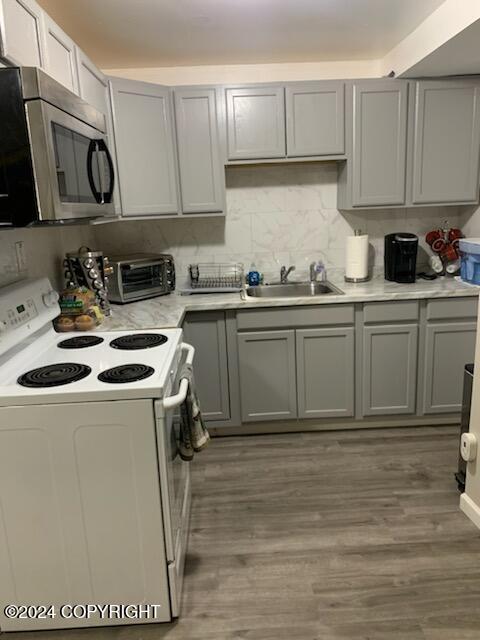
253,276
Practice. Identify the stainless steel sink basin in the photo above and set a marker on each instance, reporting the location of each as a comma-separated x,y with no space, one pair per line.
292,290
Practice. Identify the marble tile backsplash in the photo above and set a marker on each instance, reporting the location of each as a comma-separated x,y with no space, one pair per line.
276,214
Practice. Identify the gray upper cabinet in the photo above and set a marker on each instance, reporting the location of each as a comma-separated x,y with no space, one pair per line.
60,55
22,38
255,123
206,331
202,176
389,369
93,85
268,389
449,347
145,148
325,372
315,118
446,142
379,141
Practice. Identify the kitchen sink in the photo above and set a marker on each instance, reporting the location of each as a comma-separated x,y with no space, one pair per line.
292,290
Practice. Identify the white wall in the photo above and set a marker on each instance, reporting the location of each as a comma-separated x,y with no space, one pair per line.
45,248
223,74
450,19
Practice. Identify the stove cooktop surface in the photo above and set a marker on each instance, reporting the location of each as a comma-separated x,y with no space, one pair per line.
95,368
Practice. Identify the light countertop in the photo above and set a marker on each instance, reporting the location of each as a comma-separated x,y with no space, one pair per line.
169,311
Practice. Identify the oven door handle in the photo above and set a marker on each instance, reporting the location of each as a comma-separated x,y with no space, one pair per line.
175,401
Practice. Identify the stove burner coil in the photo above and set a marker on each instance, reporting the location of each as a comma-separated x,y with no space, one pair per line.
135,341
126,373
54,375
80,342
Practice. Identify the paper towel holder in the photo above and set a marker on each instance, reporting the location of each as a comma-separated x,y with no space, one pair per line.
357,232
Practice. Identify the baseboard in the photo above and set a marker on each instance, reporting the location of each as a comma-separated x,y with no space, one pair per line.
470,509
293,426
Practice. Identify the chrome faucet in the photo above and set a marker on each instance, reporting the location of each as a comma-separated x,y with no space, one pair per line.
317,268
284,273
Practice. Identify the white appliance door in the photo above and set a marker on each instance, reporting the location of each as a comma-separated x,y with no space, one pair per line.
470,448
80,518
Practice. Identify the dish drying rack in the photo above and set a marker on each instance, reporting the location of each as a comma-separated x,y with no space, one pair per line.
210,277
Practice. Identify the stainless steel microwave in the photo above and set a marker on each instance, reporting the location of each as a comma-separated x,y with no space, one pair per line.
55,165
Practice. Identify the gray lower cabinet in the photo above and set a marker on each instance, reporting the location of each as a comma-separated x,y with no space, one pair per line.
449,347
268,388
255,122
202,176
315,118
389,369
379,142
207,333
446,142
144,139
325,372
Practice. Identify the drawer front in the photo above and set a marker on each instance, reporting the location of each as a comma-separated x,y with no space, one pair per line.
395,311
446,308
282,317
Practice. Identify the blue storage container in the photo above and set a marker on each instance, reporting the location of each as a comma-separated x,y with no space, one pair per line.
470,255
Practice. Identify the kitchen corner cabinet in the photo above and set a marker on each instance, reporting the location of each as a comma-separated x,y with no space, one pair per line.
60,55
446,142
389,369
144,137
268,389
255,122
202,175
315,114
206,331
325,372
22,39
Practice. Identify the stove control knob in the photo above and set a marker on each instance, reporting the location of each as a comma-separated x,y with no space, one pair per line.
89,263
50,299
3,326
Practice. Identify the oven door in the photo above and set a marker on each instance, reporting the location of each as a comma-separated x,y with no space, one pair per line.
74,172
174,480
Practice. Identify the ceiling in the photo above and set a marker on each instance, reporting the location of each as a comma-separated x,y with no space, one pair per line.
156,33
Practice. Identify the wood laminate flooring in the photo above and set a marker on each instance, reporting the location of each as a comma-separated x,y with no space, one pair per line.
353,535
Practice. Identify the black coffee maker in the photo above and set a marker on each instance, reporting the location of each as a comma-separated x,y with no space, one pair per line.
401,257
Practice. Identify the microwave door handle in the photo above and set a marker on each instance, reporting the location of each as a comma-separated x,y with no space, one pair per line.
175,401
91,157
102,147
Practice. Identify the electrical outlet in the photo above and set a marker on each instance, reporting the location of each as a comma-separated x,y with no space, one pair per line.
22,265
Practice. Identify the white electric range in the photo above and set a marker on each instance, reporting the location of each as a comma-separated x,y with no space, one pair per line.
94,498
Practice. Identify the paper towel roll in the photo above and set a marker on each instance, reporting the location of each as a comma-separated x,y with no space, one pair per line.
356,258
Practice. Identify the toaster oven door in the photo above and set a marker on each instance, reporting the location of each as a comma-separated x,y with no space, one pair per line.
143,280
74,172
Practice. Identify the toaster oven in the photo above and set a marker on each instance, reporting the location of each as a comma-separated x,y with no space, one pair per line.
139,276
